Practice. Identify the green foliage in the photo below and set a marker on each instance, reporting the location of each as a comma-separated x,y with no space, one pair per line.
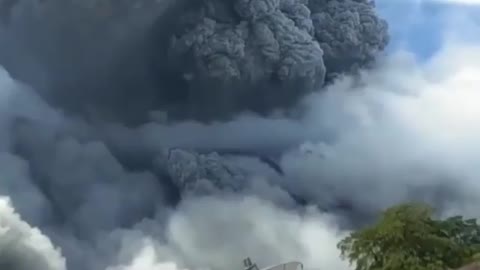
407,237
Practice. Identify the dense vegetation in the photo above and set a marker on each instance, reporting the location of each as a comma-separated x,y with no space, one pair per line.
408,236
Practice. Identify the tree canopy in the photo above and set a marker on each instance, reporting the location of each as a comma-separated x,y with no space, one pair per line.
407,236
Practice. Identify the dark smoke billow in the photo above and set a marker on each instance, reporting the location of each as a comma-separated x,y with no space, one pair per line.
191,134
204,60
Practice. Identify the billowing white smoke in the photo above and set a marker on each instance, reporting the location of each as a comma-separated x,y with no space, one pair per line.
214,233
23,247
411,128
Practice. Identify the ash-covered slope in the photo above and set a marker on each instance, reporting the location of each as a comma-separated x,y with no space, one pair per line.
204,60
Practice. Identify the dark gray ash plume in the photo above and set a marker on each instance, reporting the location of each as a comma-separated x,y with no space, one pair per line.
205,60
162,134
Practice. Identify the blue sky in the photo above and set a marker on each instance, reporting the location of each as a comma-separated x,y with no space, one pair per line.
418,26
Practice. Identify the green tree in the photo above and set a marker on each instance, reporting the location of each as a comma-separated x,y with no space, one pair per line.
408,237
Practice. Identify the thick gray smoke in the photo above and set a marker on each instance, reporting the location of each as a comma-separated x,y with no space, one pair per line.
203,60
304,126
24,247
